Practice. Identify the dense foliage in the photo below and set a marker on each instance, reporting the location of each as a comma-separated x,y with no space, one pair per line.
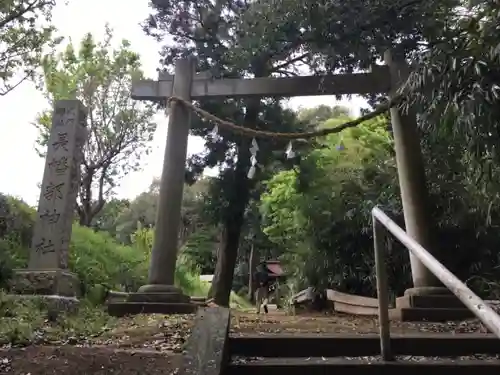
320,217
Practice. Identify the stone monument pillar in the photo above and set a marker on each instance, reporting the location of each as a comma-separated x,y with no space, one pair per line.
160,295
47,274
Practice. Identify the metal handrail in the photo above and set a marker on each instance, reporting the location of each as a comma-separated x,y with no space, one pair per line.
382,222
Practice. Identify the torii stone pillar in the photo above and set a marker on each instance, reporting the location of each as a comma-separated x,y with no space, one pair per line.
160,295
414,196
411,172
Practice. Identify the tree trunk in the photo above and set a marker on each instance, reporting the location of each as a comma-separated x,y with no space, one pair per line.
85,193
239,196
89,208
228,251
226,261
82,220
252,265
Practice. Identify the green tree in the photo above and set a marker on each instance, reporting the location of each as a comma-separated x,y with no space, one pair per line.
106,219
453,44
345,36
320,216
458,84
315,116
454,89
120,128
141,211
198,236
25,32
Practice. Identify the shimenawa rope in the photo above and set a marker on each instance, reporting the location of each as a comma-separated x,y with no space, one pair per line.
267,134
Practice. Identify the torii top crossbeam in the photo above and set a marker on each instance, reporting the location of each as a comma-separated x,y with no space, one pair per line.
376,81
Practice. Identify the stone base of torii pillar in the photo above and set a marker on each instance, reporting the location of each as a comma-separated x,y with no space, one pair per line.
162,299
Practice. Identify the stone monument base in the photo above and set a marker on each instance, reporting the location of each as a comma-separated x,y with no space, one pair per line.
45,282
154,299
432,304
58,289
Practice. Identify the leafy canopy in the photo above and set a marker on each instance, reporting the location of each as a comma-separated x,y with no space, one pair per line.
24,32
120,128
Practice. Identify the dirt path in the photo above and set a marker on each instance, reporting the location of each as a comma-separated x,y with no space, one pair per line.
40,360
155,346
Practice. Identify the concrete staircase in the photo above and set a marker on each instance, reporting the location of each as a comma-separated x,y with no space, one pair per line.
359,354
212,350
353,367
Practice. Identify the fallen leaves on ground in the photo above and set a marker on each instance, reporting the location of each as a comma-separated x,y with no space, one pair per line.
29,323
341,323
161,333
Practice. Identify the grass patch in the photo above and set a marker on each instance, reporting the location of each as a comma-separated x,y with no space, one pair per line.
26,321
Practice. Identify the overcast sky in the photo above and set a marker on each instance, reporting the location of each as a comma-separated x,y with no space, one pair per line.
22,169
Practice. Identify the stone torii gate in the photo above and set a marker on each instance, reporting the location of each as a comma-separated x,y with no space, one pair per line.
160,295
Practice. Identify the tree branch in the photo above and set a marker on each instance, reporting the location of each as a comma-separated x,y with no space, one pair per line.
16,13
9,88
100,197
289,62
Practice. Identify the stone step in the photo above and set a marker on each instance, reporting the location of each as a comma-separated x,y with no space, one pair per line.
198,299
323,366
320,345
417,314
119,309
430,301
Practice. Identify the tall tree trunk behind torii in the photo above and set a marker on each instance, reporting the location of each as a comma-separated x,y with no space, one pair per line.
252,265
233,220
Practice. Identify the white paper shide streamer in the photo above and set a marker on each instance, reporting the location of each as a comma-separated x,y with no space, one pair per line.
290,153
254,148
215,133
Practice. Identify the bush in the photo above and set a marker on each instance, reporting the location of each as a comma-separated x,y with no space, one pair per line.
16,230
100,262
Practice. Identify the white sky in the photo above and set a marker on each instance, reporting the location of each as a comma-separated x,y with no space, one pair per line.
21,168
